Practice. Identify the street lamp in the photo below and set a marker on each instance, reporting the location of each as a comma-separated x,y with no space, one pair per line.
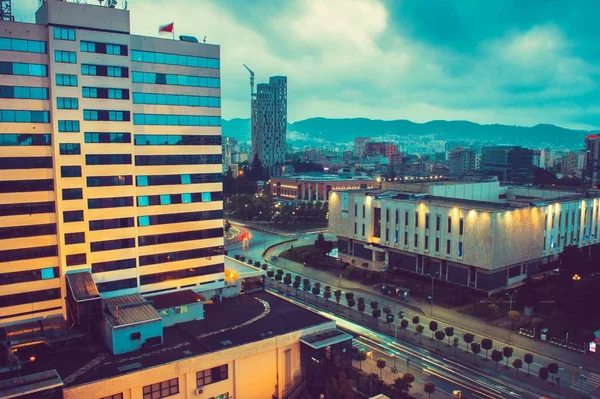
370,355
576,277
457,393
510,295
433,276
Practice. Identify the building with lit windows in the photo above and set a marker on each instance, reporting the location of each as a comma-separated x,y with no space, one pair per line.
592,161
317,186
110,160
479,234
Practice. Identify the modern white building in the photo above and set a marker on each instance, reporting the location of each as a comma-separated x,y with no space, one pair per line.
483,235
592,160
269,122
110,160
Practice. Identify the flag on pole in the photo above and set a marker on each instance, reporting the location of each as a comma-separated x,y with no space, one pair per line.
168,28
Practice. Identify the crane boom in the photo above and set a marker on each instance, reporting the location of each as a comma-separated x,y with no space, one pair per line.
251,79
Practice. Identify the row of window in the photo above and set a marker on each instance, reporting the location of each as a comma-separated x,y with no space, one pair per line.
24,139
29,275
70,171
174,256
176,139
176,120
66,57
28,208
109,224
26,163
167,238
107,137
104,115
67,103
174,59
34,230
103,92
20,116
12,255
72,216
26,186
76,259
102,48
179,217
22,45
29,297
163,180
105,70
114,202
110,245
69,149
148,160
63,79
72,194
176,99
112,265
167,199
117,285
68,126
108,159
174,80
106,181
64,33
24,92
23,69
181,274
74,238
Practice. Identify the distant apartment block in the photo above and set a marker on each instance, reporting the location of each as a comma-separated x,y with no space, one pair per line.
317,186
592,160
269,122
462,161
509,163
479,234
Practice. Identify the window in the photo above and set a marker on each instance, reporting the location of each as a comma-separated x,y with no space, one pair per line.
29,253
47,273
71,194
64,33
76,259
107,224
113,202
179,236
117,285
22,45
179,217
66,80
23,69
24,92
67,103
69,149
161,389
108,159
115,396
103,181
103,48
387,215
406,238
27,208
72,216
396,236
20,186
29,297
437,244
210,376
176,139
448,247
110,245
176,120
460,249
211,159
107,138
105,115
102,92
175,80
74,238
437,222
416,219
22,116
174,59
449,224
426,243
416,240
363,230
27,231
355,211
461,226
104,70
363,211
427,221
397,216
67,57
406,218
377,222
136,336
70,171
355,228
113,265
176,100
68,126
174,256
25,163
161,180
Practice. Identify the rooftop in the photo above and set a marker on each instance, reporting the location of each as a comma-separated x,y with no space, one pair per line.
129,309
250,318
177,298
29,384
324,177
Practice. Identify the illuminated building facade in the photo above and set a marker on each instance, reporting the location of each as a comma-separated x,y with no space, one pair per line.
318,186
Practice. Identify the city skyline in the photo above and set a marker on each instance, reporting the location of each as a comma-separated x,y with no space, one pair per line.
442,62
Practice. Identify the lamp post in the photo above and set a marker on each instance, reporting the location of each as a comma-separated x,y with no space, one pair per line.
370,354
510,295
575,372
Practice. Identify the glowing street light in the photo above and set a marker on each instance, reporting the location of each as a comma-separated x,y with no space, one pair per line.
576,277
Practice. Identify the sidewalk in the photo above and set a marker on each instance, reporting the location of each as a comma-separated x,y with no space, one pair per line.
462,323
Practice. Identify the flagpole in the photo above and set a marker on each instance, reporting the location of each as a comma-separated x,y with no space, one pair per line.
173,30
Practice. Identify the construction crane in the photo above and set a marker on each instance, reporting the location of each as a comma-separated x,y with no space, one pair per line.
251,79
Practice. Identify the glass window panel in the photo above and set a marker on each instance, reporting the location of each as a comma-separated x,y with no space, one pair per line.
165,199
143,221
143,201
142,180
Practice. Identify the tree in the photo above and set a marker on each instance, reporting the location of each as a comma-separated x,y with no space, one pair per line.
297,282
528,358
351,302
361,307
492,311
455,343
420,330
349,296
387,310
320,241
278,277
497,357
404,325
226,226
429,388
507,351
287,280
256,263
376,314
440,335
306,285
316,290
256,171
339,387
338,297
543,374
236,256
468,338
416,320
265,266
487,344
270,273
553,369
475,348
327,293
513,316
433,326
374,304
517,364
361,356
381,366
449,333
402,385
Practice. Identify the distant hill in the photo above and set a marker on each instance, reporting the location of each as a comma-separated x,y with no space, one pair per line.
345,130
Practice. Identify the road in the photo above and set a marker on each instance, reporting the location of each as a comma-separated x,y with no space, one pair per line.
590,383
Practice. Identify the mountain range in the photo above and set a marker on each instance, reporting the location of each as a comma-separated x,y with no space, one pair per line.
313,131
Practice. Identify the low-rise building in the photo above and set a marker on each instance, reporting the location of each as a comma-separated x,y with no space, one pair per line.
317,186
480,234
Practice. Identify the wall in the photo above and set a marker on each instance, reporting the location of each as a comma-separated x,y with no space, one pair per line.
121,337
195,312
482,191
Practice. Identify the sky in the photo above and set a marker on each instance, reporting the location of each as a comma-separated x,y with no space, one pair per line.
516,62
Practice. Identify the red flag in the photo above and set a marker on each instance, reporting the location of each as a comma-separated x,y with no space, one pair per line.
169,28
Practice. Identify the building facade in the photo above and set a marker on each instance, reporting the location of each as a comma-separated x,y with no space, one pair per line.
269,122
510,164
110,160
481,235
317,187
592,160
461,161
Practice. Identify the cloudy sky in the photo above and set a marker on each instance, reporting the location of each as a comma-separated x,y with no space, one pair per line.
520,62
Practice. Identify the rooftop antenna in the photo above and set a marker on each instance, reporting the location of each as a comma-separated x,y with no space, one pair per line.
6,11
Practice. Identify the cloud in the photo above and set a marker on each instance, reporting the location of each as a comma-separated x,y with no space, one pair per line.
510,62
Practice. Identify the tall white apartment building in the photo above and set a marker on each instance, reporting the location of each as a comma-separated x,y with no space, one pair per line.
269,122
110,160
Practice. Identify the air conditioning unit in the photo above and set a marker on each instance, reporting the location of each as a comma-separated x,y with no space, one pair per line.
199,391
